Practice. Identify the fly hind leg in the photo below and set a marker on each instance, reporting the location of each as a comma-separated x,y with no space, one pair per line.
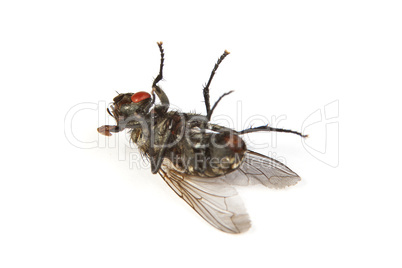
267,128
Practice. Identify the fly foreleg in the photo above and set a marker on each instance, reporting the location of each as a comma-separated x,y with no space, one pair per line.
164,106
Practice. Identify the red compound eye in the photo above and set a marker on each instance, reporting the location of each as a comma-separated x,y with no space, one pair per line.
140,96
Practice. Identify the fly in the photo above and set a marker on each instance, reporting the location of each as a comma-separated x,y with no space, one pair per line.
199,160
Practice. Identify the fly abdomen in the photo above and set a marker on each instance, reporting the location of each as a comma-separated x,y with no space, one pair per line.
226,152
208,155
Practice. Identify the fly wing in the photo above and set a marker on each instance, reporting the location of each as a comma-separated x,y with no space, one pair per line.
215,200
260,169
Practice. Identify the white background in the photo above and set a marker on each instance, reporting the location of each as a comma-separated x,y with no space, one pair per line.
62,205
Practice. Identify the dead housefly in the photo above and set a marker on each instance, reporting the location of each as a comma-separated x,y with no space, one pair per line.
199,160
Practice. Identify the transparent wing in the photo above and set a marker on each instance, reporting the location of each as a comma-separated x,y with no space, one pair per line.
260,169
216,201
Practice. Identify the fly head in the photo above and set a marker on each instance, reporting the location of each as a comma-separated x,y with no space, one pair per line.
129,107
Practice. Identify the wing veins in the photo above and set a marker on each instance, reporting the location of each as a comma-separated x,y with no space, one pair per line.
224,211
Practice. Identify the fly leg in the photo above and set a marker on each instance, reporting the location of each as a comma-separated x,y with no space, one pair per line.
216,103
267,128
157,157
164,106
255,129
206,88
